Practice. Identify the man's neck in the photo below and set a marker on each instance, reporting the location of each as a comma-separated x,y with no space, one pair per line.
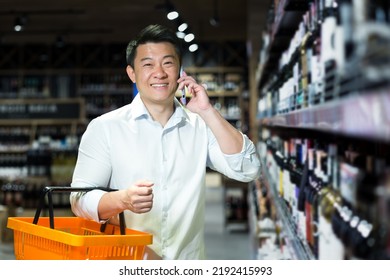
160,112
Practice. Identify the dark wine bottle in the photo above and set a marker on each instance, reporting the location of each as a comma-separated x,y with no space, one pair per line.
330,246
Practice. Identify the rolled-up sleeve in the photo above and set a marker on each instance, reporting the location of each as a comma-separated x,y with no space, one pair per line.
243,166
86,204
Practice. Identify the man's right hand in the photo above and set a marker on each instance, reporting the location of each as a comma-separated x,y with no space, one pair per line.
139,197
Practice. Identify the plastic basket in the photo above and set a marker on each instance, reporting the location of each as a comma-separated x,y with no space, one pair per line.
75,238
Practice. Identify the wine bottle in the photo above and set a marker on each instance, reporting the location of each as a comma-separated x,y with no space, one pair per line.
330,246
320,178
308,197
286,179
303,187
366,237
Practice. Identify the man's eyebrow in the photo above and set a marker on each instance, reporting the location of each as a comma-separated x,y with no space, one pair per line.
149,58
145,58
169,56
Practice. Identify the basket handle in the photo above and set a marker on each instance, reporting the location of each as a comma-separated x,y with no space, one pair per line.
48,190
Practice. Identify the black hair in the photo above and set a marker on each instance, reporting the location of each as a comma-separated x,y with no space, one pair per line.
153,34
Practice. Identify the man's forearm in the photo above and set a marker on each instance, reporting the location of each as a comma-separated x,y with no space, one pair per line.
229,138
109,205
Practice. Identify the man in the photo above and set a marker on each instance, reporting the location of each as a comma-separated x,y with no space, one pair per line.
155,152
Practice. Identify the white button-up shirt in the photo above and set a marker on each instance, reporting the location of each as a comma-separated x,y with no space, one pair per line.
125,145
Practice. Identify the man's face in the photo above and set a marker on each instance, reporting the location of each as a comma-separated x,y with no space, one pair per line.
156,70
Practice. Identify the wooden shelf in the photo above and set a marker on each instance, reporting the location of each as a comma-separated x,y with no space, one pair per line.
42,111
226,100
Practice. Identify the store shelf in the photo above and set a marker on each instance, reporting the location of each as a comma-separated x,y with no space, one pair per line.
295,243
289,14
236,207
213,93
323,104
41,111
225,87
359,115
106,91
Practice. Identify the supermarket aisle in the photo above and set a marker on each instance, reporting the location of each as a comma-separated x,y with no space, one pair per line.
6,249
222,244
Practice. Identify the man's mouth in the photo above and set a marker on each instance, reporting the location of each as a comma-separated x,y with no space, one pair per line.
159,85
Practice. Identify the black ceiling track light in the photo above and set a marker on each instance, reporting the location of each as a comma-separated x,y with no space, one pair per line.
214,20
22,17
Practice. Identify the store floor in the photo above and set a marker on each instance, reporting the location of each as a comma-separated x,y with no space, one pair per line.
222,243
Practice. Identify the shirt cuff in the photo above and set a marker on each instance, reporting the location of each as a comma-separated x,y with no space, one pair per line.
91,203
236,160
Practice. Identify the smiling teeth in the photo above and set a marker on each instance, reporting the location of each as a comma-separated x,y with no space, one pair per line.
159,85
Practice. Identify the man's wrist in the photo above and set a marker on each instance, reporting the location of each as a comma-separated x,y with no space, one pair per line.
209,114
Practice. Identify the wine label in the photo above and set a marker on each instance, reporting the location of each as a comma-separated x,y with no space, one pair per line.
348,182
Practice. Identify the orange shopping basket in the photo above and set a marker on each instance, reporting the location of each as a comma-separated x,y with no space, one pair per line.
74,238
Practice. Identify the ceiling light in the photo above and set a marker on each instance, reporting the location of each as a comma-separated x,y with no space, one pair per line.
18,27
193,48
180,35
19,23
182,27
172,15
189,37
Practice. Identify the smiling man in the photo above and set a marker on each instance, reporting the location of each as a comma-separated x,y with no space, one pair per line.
155,152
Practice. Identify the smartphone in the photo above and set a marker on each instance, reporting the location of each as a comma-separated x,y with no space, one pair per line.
183,99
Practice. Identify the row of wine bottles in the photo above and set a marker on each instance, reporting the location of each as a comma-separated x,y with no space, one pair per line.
57,165
339,48
337,194
18,138
27,194
43,86
97,104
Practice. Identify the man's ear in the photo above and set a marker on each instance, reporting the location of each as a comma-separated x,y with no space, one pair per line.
130,73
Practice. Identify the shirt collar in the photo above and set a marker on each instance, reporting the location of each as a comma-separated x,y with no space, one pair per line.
180,110
139,110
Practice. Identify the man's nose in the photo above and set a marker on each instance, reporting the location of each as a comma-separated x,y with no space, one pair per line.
160,72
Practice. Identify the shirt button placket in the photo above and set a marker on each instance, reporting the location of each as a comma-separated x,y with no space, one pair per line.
164,218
